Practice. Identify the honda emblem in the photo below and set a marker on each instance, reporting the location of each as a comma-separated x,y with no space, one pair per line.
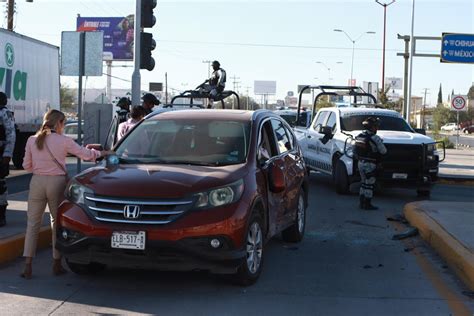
131,211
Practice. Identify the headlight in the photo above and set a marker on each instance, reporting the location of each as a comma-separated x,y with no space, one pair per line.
75,192
220,196
430,147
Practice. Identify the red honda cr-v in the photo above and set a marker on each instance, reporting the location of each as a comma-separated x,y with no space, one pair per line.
188,190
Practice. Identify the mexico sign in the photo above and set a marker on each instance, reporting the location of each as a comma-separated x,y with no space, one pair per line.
457,48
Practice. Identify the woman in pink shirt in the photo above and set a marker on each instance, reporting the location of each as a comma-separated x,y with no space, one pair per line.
45,157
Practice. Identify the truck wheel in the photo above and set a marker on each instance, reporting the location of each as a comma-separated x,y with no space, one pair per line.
423,192
83,269
341,178
295,232
251,265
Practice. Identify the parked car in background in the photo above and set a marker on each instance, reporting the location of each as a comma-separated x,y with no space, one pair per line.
450,127
468,129
70,130
186,190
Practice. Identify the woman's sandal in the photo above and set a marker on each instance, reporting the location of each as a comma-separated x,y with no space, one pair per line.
27,272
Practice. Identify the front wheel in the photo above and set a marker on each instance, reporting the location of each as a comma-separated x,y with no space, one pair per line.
251,265
295,232
341,178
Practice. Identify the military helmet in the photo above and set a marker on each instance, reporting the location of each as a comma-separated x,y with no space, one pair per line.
371,122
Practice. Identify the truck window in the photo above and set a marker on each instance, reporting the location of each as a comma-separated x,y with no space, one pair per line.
322,116
332,121
387,123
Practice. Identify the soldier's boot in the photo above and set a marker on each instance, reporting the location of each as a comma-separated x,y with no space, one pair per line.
361,202
368,205
3,210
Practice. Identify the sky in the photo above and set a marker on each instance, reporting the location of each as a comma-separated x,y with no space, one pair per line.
281,40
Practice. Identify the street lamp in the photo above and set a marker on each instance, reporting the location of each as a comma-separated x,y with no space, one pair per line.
329,69
353,46
385,5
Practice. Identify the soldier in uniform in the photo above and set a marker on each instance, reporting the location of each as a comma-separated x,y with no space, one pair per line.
216,84
7,144
372,147
124,112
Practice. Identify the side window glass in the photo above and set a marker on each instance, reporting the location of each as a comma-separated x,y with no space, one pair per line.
332,121
291,138
320,120
267,147
112,135
283,142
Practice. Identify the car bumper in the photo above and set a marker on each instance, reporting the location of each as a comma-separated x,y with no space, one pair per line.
184,244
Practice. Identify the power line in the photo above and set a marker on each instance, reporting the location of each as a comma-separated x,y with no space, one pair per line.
118,78
278,45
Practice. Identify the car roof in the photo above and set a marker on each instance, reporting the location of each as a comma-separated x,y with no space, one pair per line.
350,111
235,115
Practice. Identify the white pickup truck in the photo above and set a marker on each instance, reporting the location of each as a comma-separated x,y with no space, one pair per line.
411,161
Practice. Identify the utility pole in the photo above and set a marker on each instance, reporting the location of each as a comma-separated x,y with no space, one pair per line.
405,55
235,82
412,52
248,96
385,5
424,108
208,62
11,12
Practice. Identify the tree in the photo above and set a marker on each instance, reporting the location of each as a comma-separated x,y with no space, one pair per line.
440,95
470,94
66,99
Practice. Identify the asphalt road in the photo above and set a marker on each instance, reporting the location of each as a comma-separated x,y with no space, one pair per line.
463,139
347,264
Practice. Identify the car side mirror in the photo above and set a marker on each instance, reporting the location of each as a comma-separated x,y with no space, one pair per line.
276,179
327,132
420,131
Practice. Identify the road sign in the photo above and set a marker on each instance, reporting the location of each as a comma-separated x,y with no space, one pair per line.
393,83
457,48
459,103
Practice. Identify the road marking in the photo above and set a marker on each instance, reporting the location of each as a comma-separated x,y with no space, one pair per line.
454,300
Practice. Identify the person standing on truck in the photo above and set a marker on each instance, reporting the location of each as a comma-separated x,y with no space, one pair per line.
149,102
217,81
369,146
45,157
7,144
124,111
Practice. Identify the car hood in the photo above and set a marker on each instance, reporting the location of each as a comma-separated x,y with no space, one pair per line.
397,137
158,181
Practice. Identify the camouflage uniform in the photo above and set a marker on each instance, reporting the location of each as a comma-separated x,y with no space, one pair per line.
367,167
7,144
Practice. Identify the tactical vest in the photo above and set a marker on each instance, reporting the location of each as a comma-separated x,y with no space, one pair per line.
362,148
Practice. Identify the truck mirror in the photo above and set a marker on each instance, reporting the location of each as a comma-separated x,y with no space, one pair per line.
420,131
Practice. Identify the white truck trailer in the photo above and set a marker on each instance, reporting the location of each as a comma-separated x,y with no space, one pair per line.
29,75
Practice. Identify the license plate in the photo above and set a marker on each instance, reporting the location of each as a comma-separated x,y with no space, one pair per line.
400,176
128,240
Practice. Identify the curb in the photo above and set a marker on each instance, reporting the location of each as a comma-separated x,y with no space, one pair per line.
458,257
12,247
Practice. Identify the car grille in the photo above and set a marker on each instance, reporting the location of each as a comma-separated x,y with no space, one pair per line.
136,211
402,158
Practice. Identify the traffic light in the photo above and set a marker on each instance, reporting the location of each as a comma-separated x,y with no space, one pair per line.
147,45
147,18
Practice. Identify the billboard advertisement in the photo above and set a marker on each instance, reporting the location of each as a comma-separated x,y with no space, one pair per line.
264,87
118,34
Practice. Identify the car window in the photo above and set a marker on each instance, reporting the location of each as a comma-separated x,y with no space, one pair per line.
267,147
290,137
332,121
283,141
112,135
386,123
320,120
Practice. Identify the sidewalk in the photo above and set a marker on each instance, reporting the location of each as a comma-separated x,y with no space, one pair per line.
12,236
458,165
447,227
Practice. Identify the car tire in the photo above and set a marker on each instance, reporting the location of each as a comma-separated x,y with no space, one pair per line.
341,178
251,266
84,269
295,232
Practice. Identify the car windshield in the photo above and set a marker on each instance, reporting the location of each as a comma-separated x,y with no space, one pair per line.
187,141
387,123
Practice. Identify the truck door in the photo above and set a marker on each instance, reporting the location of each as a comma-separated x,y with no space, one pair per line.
326,150
313,143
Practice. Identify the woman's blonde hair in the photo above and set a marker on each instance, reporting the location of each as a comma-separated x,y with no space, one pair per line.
50,121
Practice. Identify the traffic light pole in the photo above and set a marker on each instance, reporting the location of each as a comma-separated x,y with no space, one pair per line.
136,79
